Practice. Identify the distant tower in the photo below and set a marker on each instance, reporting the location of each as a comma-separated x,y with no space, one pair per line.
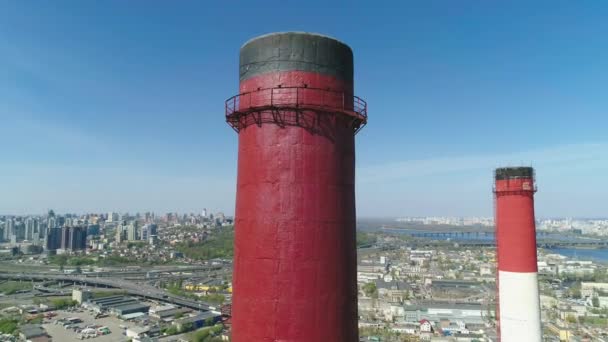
30,223
9,229
53,239
66,237
295,251
133,231
120,234
78,238
518,302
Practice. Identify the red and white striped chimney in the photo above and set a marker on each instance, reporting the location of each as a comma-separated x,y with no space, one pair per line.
517,280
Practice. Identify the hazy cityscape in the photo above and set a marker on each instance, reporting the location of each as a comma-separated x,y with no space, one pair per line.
165,276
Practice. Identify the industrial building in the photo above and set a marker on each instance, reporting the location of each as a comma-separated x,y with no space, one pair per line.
123,310
81,295
167,312
29,332
118,305
468,313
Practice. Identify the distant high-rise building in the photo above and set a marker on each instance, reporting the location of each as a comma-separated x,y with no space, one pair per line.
51,222
204,212
65,237
53,239
144,232
73,238
112,217
19,230
9,228
120,234
220,217
133,231
37,229
148,230
93,229
78,238
29,228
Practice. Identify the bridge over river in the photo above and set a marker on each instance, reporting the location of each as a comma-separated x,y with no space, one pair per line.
487,238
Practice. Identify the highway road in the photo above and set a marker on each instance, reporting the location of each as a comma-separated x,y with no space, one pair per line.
137,289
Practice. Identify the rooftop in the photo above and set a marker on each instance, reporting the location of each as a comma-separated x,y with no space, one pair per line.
31,330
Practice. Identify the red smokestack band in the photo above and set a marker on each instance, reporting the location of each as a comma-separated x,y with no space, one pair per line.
516,232
295,247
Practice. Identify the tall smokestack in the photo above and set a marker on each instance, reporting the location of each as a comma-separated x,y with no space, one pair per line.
295,247
518,299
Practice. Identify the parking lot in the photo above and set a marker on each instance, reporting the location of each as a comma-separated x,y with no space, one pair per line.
59,333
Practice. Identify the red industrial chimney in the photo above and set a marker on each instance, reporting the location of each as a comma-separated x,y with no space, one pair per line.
518,299
295,252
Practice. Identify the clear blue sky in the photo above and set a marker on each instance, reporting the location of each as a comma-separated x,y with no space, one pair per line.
118,105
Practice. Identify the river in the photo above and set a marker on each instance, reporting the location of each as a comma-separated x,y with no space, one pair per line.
600,255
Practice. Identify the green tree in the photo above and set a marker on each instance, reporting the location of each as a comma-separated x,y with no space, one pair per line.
172,330
365,239
370,290
186,327
218,245
8,325
207,334
63,303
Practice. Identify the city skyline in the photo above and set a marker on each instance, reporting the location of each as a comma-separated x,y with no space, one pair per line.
134,121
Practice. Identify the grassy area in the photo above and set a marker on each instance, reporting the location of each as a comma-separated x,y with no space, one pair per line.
11,287
22,267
